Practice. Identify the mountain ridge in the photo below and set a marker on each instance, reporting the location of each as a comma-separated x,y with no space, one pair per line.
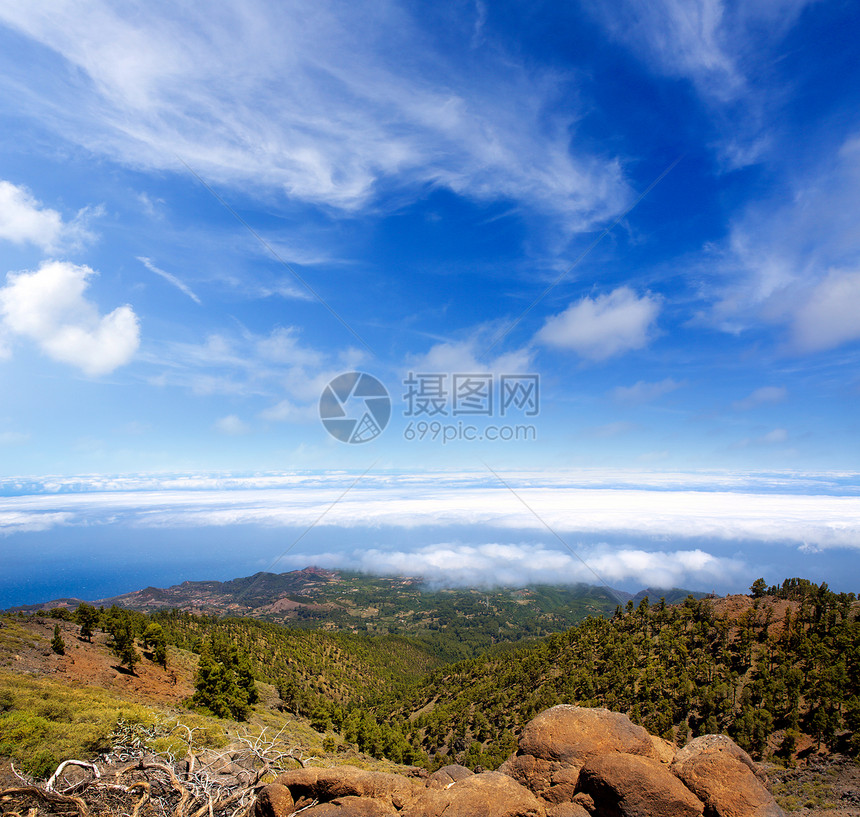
469,619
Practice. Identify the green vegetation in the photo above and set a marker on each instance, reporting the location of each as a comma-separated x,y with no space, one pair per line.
57,643
786,661
678,671
224,685
43,722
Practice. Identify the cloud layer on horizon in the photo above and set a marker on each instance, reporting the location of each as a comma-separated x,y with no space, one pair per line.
494,564
680,514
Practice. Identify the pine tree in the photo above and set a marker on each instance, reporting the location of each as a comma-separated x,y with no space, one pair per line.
57,643
87,616
122,642
154,637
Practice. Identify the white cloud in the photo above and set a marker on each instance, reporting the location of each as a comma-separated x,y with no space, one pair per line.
727,508
24,220
681,38
761,396
278,366
605,326
520,564
794,260
830,315
713,43
466,356
314,99
170,278
49,306
12,522
612,429
724,49
776,436
644,392
232,425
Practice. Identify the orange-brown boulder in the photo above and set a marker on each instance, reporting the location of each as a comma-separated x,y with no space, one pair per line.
488,794
444,777
567,810
555,745
274,800
572,734
325,785
725,777
625,785
350,807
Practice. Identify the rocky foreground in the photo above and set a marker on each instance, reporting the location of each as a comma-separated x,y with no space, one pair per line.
571,762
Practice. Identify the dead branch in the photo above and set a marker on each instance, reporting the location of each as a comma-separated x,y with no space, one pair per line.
144,797
49,786
53,798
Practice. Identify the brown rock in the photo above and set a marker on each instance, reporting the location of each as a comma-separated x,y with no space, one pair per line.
274,800
665,751
347,781
532,772
444,777
556,743
573,734
562,785
350,807
566,810
725,777
489,794
625,785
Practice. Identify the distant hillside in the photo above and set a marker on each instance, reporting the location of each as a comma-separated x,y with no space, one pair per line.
778,673
455,623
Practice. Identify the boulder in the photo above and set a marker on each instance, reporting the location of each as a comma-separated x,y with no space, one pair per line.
533,772
664,751
274,800
567,810
624,785
556,744
448,775
572,734
725,778
488,794
350,807
325,785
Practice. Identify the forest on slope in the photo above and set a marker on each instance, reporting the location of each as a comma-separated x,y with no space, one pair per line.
779,671
766,670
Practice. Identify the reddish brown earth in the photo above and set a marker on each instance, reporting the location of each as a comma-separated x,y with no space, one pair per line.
93,664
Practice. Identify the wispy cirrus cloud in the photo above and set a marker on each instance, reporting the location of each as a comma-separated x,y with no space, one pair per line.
793,260
761,396
314,100
725,50
170,278
644,392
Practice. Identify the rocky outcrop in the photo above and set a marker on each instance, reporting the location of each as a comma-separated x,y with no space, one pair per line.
570,762
489,794
558,742
274,801
725,778
448,775
623,785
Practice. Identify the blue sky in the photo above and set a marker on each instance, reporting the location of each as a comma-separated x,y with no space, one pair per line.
206,214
